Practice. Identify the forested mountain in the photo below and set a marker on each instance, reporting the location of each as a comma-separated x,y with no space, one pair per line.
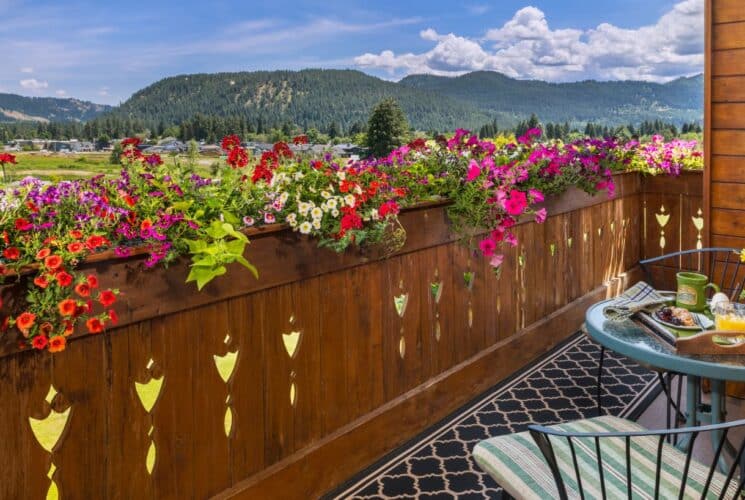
307,98
610,102
16,108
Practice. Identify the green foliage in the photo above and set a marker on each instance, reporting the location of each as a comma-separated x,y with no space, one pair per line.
223,245
386,127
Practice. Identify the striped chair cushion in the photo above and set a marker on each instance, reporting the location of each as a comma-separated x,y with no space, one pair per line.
517,464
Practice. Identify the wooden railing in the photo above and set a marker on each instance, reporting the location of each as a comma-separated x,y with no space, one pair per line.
285,386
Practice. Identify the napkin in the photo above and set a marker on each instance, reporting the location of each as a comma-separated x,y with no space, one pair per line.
639,297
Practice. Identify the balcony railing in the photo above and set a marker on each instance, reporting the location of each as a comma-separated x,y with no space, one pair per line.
285,386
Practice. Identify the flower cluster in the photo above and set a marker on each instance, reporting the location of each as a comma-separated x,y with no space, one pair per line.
48,229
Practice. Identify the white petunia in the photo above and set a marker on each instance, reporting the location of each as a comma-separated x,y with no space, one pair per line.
317,224
316,213
305,227
335,213
349,200
331,203
326,195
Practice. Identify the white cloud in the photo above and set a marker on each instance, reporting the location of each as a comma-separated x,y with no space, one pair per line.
34,84
477,9
60,92
527,47
27,69
103,91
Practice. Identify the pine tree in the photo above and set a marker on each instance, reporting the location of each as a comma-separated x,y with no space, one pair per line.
386,127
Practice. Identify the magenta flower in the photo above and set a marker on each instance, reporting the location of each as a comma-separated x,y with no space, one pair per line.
540,216
516,203
473,171
487,247
535,195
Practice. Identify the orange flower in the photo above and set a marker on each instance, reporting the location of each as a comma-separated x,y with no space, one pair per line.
41,281
106,298
63,278
75,247
53,262
45,328
43,253
83,289
92,281
57,343
40,342
69,328
25,321
95,241
146,224
113,317
67,307
94,325
76,234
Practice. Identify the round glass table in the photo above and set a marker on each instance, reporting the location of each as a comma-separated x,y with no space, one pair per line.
631,340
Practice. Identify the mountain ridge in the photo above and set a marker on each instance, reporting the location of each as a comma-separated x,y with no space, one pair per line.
18,108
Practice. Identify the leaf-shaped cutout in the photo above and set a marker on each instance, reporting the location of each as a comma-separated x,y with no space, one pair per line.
150,458
226,365
468,279
228,422
470,317
569,242
698,223
662,219
47,431
436,289
53,491
149,392
437,331
293,394
292,342
552,249
400,302
402,347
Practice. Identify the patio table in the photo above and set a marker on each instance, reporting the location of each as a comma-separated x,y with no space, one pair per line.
631,340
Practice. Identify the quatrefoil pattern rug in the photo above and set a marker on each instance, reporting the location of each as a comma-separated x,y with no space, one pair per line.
558,388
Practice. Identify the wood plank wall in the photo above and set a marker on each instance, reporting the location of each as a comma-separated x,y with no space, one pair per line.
725,122
328,375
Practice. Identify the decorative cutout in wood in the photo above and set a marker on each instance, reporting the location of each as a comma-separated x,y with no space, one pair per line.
570,241
292,343
48,432
148,393
552,249
662,219
226,368
468,279
400,302
698,223
402,347
612,227
436,289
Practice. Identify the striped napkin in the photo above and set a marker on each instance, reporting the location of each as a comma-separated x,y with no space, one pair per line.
638,298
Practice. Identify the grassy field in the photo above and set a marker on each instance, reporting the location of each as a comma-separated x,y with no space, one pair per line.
53,166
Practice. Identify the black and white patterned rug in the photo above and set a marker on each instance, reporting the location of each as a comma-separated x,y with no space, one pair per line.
558,388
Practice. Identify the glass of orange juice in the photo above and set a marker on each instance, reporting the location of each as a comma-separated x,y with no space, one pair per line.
729,317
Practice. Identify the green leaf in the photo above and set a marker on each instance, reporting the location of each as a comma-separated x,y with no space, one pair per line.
242,261
236,247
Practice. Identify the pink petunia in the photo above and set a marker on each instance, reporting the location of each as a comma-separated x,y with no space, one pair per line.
496,260
487,247
516,203
540,216
473,171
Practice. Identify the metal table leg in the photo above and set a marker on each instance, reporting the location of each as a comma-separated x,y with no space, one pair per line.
693,384
717,411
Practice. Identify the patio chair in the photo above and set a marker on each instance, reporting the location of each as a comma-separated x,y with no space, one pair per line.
607,457
723,267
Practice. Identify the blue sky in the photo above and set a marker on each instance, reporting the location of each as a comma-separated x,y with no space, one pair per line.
104,51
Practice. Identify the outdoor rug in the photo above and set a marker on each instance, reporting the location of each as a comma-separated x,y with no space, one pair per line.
557,388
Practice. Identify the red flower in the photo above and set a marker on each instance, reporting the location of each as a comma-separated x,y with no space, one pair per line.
57,343
261,172
351,220
113,317
23,224
229,142
281,149
67,307
41,281
11,253
53,262
69,327
95,241
131,141
237,157
43,253
146,224
75,247
106,298
129,200
83,289
40,342
25,321
92,281
300,139
388,208
63,278
7,158
76,234
94,325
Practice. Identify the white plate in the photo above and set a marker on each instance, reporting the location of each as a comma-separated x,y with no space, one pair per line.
702,322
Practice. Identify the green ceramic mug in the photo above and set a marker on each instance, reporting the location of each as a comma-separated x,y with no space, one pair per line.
691,291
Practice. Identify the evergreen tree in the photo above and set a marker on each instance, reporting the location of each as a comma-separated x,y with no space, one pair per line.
386,127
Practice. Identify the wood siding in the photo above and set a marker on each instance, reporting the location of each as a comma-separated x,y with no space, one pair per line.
725,122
